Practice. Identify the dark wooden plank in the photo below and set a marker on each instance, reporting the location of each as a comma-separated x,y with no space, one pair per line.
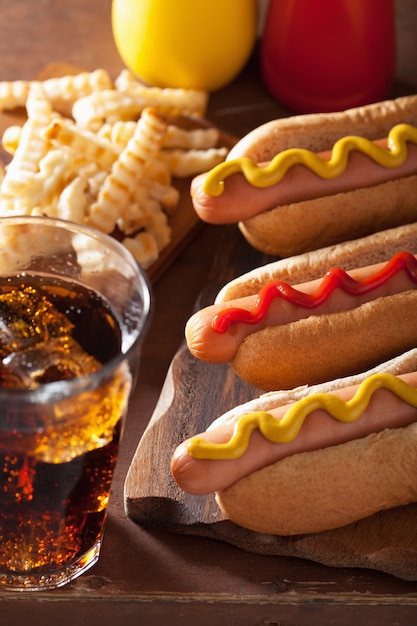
193,395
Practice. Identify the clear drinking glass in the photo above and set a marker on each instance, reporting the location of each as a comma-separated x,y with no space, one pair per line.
74,308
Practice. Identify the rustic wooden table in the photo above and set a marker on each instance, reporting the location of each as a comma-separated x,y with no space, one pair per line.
146,577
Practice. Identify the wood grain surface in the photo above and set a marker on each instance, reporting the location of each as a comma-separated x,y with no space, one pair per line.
194,394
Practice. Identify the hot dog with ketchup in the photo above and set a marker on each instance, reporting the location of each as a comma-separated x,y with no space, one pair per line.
288,335
308,181
311,265
311,459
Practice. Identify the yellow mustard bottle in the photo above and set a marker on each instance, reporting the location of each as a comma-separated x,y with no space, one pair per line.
190,44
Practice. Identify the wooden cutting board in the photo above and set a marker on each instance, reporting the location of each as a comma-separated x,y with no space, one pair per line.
184,222
193,395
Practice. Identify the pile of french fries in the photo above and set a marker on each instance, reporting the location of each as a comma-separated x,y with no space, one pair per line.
104,153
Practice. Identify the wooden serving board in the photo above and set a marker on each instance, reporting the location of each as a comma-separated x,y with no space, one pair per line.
193,395
184,222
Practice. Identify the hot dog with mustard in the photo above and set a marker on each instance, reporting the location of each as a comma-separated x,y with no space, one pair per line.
311,459
302,183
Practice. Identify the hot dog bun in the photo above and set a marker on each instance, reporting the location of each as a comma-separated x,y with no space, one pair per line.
303,226
292,227
324,489
311,351
319,131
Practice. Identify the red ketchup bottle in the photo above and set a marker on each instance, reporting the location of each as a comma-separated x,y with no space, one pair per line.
329,55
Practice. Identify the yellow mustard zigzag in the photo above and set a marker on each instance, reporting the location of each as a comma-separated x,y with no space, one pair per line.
286,429
394,156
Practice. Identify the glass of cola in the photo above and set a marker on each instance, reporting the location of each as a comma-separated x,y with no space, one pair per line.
74,309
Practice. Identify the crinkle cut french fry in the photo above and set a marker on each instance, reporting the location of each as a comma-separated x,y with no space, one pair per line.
13,94
134,218
143,247
32,145
194,138
10,138
184,163
14,251
91,147
13,205
121,132
92,111
166,195
72,201
172,101
157,224
95,181
125,80
90,259
72,87
115,193
158,171
55,169
96,108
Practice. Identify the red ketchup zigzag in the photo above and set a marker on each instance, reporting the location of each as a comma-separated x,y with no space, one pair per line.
335,278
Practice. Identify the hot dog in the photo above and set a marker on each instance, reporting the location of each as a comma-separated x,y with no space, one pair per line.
369,188
309,333
311,459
